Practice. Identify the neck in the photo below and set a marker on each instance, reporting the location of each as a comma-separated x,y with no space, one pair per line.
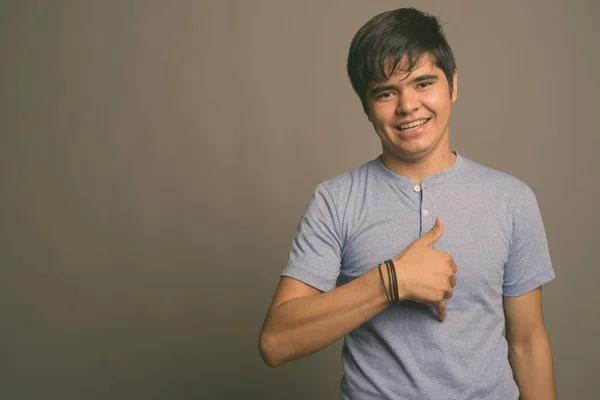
419,169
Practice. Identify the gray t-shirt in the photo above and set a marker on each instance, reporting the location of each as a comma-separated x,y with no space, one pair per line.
494,231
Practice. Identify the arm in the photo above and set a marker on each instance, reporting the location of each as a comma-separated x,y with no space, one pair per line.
302,320
529,350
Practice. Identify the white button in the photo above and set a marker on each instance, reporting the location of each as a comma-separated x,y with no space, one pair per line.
425,212
417,188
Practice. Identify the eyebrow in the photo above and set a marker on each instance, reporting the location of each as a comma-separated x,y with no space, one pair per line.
417,79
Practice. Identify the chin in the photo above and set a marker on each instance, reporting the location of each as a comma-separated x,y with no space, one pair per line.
415,147
413,151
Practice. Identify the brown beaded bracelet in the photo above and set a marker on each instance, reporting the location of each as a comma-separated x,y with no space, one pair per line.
394,283
387,296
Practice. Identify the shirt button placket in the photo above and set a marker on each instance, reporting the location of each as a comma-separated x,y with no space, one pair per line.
425,209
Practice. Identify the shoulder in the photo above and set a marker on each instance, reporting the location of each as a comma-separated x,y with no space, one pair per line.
342,185
342,191
494,183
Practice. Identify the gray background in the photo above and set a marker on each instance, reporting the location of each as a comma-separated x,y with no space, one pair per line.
155,158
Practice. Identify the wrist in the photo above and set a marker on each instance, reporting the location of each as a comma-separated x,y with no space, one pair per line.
389,281
385,283
402,290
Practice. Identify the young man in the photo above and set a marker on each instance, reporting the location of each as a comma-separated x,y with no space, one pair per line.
466,247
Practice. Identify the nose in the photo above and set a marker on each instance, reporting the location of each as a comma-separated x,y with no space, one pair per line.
407,103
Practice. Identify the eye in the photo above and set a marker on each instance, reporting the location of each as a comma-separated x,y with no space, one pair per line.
384,95
423,85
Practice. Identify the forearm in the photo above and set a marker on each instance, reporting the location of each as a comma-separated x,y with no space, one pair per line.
304,325
532,367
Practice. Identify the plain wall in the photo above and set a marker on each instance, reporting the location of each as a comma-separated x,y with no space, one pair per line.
155,159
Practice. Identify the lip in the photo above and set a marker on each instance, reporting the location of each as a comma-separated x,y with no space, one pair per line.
414,133
412,120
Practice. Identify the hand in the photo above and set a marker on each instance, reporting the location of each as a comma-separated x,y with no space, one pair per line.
424,274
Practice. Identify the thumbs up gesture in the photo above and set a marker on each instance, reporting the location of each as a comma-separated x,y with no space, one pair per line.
424,274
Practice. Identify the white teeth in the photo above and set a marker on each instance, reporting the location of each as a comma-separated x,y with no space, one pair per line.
413,124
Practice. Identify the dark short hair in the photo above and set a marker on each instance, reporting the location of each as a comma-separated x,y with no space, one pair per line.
403,34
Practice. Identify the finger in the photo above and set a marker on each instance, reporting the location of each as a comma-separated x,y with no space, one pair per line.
435,233
449,294
452,281
454,266
440,308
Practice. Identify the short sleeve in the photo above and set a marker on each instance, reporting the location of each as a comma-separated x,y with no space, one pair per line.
528,265
315,256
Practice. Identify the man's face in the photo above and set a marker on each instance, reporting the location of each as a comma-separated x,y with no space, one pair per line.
421,99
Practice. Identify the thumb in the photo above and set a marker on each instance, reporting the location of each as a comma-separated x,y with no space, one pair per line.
435,233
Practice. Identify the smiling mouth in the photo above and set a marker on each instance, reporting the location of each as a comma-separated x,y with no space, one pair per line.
412,126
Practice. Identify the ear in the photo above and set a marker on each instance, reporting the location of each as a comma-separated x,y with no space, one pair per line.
454,87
